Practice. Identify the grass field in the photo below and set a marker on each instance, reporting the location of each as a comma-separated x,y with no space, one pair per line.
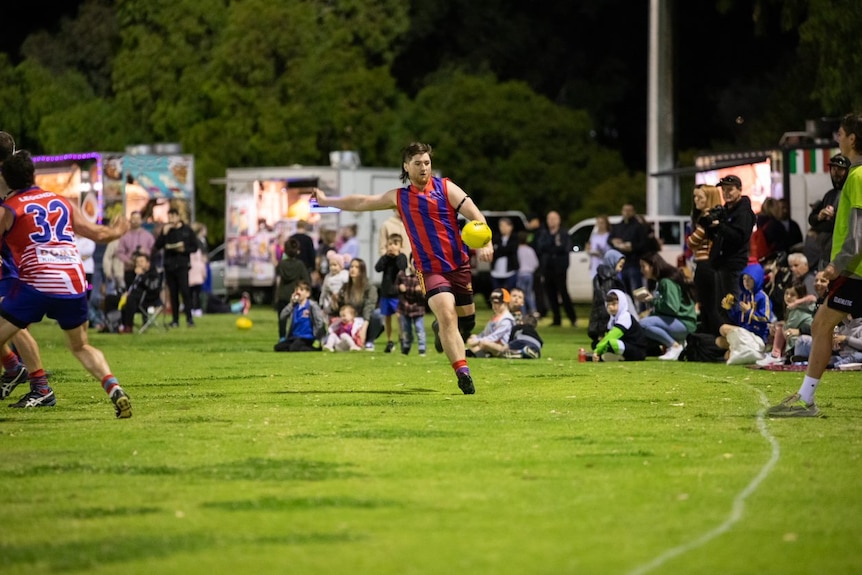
241,460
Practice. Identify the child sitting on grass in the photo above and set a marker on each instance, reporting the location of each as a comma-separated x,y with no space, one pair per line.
306,323
494,339
799,315
345,332
607,278
625,340
751,313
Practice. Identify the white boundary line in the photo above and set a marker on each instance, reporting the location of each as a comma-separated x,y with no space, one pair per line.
738,501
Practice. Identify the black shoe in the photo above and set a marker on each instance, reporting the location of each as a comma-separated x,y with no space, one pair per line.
174,324
36,399
190,323
9,382
405,350
438,344
389,346
465,383
122,405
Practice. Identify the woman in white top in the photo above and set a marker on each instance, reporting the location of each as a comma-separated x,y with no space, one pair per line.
598,243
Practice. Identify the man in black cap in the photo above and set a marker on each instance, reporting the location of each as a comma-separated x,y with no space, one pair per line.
822,217
730,231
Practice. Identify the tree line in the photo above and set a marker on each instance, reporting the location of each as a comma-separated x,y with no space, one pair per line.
517,111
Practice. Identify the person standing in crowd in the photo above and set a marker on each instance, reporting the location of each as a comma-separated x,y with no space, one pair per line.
844,271
534,231
554,246
411,310
36,220
178,241
729,230
393,225
307,254
528,263
289,271
86,248
429,207
598,243
629,237
793,238
390,265
822,216
504,268
136,241
350,247
704,199
198,269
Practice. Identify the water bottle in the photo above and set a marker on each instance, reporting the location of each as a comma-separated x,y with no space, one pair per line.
582,355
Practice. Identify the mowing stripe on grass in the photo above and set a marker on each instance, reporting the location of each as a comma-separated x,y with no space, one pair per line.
738,502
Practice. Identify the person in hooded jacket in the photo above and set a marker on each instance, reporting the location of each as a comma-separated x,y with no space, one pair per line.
751,311
625,340
607,278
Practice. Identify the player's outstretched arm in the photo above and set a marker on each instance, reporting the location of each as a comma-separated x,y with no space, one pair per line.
98,233
357,203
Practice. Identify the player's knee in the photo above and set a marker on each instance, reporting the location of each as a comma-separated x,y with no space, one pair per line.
465,325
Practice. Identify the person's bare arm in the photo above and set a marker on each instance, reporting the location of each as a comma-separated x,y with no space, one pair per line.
96,232
465,205
357,203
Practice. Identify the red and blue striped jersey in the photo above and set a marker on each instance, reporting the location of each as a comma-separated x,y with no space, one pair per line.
42,243
432,226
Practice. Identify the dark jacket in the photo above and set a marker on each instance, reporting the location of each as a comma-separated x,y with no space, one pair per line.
390,266
730,238
289,272
176,259
630,231
509,251
553,250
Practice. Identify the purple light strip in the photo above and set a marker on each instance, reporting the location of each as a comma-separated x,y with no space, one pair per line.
68,157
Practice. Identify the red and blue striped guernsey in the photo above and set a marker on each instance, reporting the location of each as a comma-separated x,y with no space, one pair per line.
432,227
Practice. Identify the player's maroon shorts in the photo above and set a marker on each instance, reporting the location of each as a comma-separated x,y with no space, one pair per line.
459,282
845,294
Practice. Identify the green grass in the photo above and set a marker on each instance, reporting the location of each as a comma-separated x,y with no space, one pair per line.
241,460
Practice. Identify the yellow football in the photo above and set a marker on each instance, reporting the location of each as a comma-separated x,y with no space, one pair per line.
476,234
243,323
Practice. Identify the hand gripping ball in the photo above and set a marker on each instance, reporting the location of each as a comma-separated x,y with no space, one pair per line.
476,234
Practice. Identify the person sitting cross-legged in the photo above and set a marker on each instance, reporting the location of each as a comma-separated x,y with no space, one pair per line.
306,323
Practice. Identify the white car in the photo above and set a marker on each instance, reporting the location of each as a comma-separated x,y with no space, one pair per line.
671,230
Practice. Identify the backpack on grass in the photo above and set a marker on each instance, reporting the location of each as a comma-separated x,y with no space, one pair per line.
700,347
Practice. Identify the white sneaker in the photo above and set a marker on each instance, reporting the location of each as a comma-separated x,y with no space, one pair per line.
672,353
769,360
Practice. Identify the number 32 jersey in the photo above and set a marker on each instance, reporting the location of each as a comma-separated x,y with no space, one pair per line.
42,244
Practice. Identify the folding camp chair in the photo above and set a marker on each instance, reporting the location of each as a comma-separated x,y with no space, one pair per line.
152,306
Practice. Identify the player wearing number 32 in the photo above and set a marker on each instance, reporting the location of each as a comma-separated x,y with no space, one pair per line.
39,229
429,207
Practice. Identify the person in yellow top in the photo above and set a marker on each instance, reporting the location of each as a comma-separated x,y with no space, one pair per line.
844,272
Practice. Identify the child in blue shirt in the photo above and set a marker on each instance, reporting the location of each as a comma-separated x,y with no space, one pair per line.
306,323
